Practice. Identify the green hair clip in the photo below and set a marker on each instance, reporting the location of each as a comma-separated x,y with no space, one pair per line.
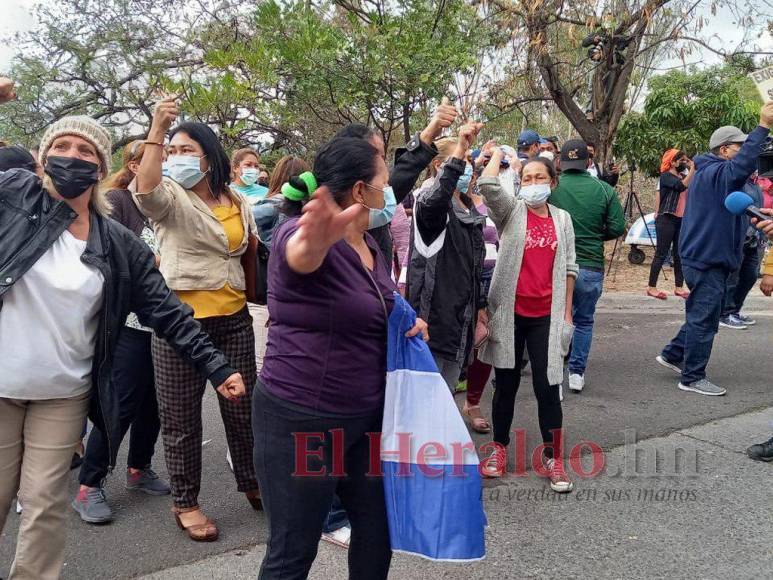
301,187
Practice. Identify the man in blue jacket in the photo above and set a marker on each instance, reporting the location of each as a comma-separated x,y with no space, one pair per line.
711,243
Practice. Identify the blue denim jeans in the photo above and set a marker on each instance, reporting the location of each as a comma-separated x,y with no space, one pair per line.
587,291
691,348
740,282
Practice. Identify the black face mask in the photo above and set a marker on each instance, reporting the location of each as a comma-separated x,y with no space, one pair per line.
681,167
263,182
71,176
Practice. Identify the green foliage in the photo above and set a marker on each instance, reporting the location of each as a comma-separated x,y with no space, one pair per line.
306,71
683,109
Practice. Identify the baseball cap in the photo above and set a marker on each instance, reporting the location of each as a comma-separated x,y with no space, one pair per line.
574,155
527,138
725,135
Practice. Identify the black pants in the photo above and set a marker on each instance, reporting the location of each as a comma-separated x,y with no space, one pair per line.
667,228
134,385
297,502
741,282
534,334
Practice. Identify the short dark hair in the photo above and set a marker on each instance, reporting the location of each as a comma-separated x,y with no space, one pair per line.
342,162
356,131
717,149
219,175
546,162
16,156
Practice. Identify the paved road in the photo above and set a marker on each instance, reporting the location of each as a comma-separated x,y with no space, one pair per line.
625,390
713,522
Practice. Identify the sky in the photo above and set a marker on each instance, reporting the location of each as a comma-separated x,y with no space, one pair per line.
17,17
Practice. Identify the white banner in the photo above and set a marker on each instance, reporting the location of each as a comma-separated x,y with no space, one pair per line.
763,78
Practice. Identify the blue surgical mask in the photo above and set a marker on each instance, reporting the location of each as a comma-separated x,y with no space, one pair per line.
185,170
165,169
249,175
464,180
535,195
383,216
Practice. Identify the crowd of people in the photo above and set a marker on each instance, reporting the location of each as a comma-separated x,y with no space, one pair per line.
125,294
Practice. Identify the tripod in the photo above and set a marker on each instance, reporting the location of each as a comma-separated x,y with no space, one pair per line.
631,202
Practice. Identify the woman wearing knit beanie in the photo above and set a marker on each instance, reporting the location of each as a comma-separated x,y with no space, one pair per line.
68,279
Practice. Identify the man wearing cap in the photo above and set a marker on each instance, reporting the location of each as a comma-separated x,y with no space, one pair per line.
597,216
528,145
711,243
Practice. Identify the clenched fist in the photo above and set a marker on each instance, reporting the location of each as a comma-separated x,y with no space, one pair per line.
444,117
165,114
233,387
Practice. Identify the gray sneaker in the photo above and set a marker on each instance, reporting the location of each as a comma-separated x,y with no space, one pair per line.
703,387
668,364
147,481
748,321
732,322
91,505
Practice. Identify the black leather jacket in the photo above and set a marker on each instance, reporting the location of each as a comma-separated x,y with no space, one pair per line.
409,163
31,221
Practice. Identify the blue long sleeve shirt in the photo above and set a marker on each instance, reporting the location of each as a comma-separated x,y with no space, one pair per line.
712,237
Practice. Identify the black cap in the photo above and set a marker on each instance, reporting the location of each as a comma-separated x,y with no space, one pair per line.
16,157
574,155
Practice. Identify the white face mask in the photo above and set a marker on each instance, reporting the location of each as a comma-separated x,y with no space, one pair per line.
535,195
547,155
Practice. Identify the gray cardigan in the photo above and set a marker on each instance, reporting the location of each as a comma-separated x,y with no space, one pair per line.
509,216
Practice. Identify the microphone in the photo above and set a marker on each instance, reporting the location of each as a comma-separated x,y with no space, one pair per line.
739,203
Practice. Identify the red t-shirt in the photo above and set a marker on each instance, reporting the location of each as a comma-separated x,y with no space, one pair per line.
534,294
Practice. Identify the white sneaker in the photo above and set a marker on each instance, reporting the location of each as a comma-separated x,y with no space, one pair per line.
339,537
576,383
560,392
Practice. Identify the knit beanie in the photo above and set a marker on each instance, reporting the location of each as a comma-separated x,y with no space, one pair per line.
80,126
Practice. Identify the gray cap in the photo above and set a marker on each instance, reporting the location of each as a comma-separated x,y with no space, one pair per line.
725,135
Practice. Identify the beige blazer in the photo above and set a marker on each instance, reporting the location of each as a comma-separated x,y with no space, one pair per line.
192,241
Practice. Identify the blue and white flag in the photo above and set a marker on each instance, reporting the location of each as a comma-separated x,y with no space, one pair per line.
431,478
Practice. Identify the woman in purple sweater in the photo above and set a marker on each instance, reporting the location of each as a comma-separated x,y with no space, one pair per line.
321,391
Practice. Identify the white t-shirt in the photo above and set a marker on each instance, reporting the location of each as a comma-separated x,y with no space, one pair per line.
48,325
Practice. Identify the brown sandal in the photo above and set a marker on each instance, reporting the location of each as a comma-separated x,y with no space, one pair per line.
255,500
206,532
477,420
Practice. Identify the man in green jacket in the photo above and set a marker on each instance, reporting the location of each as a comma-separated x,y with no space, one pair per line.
597,217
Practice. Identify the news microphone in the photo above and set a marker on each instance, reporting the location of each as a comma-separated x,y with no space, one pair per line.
739,203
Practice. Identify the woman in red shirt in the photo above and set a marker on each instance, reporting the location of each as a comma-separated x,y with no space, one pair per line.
530,306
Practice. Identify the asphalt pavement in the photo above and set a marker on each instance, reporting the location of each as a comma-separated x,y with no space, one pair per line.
710,518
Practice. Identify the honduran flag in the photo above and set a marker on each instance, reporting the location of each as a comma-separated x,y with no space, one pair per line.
431,479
